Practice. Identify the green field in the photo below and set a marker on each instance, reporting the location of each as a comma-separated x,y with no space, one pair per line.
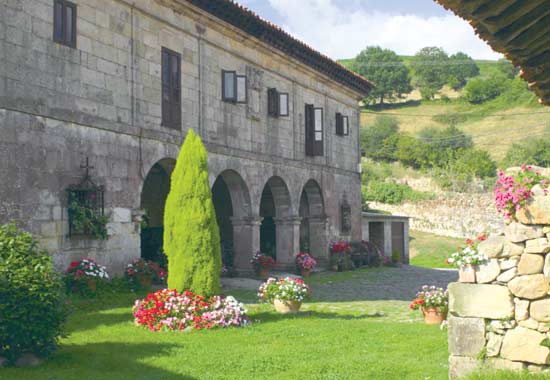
430,250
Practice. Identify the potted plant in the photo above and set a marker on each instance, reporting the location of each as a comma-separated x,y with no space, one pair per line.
142,273
286,294
83,276
433,302
262,263
466,258
340,255
305,263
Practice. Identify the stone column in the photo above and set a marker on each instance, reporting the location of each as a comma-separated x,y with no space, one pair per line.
364,228
318,245
387,239
246,241
288,240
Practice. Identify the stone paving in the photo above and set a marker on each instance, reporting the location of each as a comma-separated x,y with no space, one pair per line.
364,285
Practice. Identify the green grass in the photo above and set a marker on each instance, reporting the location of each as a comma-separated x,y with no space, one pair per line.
430,250
328,340
506,375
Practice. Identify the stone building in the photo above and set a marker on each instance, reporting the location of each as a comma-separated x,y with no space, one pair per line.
109,88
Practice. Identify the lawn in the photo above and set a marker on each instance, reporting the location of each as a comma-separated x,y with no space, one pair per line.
430,250
327,340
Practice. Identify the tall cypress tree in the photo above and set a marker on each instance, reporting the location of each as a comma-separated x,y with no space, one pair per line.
191,234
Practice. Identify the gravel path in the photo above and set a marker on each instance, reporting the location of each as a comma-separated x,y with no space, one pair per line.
384,284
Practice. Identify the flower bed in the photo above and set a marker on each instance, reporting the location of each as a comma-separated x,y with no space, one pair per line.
262,260
431,297
284,289
169,310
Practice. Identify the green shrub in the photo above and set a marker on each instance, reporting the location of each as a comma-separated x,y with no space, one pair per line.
392,193
479,90
532,150
373,136
32,308
191,234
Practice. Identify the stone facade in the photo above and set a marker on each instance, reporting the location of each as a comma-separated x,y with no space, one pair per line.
102,100
510,301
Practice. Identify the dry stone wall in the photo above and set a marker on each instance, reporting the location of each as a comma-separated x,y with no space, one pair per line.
461,215
501,321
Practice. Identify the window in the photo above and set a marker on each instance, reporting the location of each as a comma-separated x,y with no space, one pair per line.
171,89
234,87
64,23
277,103
345,122
314,130
342,125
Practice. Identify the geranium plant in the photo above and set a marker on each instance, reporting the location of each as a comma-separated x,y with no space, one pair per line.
468,255
513,191
172,311
284,289
305,261
83,275
339,246
431,297
144,268
262,260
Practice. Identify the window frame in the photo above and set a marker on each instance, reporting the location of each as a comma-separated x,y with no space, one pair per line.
232,99
63,23
322,126
339,124
273,106
173,106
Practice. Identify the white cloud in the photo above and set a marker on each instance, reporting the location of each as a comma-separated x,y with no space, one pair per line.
341,33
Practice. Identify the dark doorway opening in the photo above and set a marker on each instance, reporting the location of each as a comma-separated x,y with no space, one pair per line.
221,198
268,230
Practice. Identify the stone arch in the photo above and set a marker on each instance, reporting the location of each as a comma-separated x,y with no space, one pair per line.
231,199
154,191
312,219
277,235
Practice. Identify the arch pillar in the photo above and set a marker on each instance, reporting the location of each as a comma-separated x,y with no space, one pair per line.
318,237
246,240
288,240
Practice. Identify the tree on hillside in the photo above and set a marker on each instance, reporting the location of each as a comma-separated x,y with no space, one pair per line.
373,137
191,234
461,67
530,151
506,68
431,67
387,70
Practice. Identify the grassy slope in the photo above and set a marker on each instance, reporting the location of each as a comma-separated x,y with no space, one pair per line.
323,342
429,250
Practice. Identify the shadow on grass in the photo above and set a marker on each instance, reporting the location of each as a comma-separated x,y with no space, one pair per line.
270,316
105,361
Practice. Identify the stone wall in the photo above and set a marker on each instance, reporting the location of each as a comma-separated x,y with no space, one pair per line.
461,215
500,322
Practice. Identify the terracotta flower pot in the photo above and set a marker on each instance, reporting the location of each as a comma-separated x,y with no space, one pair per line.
433,316
306,272
263,273
467,274
285,307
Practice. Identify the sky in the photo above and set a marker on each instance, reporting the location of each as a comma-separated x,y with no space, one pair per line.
342,28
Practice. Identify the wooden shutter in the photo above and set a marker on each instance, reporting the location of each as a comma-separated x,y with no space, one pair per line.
171,89
272,102
318,122
310,129
339,124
